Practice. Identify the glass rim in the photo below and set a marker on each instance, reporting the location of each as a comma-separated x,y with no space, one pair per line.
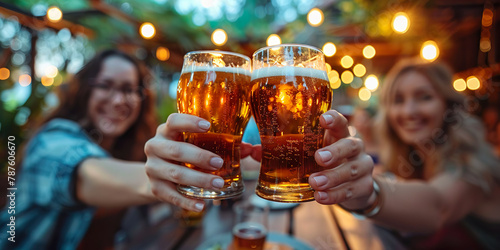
287,45
220,52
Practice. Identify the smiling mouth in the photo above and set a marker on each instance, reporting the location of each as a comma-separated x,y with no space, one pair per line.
413,125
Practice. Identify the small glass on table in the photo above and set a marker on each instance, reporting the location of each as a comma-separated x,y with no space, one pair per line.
250,226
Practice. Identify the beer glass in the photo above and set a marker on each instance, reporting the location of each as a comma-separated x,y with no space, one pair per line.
215,85
250,226
290,91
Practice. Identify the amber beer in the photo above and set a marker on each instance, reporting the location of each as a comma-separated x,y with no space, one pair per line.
287,103
249,236
221,95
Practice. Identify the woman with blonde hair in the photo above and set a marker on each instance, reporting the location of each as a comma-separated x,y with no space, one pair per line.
445,184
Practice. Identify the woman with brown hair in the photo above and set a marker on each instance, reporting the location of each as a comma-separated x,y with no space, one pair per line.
445,184
86,161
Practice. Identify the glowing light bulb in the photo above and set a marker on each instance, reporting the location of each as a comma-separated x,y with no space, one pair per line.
219,37
401,22
147,30
315,17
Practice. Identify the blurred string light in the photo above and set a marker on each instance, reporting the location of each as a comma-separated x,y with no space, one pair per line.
47,81
329,49
346,61
473,83
54,14
347,77
429,51
51,71
487,19
333,76
147,30
401,22
315,17
369,52
336,84
4,73
459,85
273,39
162,53
371,82
219,37
328,67
359,70
364,94
24,80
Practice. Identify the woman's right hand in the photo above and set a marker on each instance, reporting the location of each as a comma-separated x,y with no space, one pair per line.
167,150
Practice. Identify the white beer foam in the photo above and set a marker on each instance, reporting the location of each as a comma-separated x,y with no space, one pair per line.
232,70
289,71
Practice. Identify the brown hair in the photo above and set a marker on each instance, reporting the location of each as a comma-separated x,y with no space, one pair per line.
74,104
458,146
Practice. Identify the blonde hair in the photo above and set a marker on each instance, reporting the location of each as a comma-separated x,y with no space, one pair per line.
458,146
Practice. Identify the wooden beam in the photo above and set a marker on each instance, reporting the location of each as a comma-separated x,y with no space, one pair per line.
40,23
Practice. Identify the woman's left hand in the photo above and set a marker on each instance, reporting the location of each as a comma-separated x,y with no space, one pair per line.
347,177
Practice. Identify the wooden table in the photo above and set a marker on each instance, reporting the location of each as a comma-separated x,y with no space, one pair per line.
321,227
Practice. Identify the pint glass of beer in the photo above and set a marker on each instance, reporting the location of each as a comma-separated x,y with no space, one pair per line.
215,85
290,91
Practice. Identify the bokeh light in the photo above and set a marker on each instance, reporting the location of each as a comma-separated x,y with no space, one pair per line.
473,83
359,70
329,49
371,82
51,71
459,85
401,22
4,73
369,52
162,53
219,37
47,81
315,17
347,77
147,30
54,14
333,76
346,61
364,94
430,51
24,80
273,39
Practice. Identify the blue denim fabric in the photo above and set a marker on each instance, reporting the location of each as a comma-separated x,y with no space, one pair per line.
47,213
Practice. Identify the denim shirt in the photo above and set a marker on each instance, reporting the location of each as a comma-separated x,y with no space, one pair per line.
47,213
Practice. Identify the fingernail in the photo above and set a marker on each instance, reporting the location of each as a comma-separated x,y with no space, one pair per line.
322,195
218,183
328,119
204,124
320,180
216,162
325,155
199,207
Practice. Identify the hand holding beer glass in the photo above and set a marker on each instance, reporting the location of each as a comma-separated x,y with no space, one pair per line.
215,85
290,91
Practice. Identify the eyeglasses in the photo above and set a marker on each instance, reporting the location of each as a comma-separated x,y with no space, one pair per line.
130,92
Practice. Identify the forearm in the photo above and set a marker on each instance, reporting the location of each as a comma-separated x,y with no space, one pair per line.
113,183
413,206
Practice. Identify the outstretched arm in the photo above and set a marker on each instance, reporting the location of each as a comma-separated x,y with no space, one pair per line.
416,206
